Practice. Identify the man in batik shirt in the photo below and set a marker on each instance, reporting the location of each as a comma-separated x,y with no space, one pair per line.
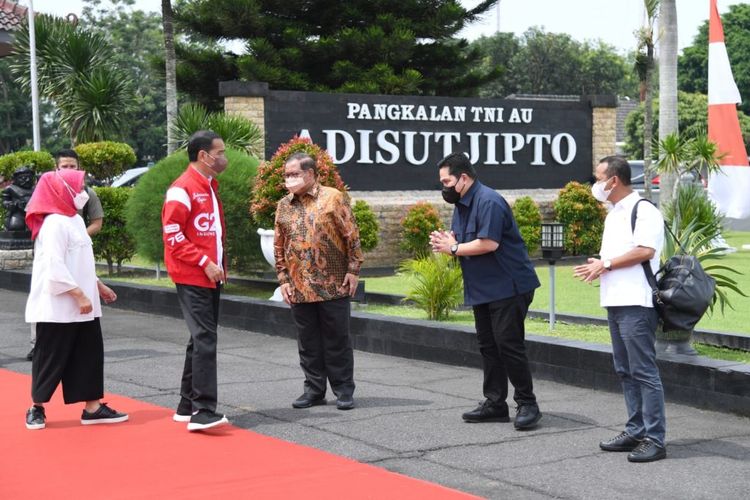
318,257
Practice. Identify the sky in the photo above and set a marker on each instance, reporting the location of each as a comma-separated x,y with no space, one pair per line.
613,21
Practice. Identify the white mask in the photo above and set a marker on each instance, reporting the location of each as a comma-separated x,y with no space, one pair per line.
80,200
293,182
599,192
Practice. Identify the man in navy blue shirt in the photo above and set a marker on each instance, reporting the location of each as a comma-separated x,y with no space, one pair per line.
499,284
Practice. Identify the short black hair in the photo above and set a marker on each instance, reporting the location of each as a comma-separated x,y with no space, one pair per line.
202,140
306,162
65,153
458,163
617,166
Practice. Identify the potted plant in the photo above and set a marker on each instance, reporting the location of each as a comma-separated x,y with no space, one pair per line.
695,222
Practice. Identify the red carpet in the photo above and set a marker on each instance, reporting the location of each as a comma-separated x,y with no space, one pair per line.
153,457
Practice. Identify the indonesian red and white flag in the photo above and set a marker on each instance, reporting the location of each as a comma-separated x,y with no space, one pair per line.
730,188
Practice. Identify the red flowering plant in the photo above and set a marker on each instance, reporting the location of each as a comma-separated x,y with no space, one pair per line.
420,220
269,187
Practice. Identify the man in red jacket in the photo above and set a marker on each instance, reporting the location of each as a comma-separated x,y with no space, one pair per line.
194,235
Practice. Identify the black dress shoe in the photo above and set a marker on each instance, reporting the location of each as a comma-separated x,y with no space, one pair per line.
621,442
345,402
487,412
527,417
308,400
30,355
647,451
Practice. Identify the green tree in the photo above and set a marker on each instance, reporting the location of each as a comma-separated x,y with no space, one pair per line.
553,63
497,51
371,46
693,64
76,73
136,40
15,113
692,115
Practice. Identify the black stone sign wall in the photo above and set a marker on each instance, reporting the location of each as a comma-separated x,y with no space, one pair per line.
394,142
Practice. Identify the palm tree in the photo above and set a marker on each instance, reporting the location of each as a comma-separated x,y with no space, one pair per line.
76,74
171,73
667,84
644,67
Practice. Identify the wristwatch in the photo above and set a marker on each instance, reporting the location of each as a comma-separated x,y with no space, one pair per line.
608,265
454,249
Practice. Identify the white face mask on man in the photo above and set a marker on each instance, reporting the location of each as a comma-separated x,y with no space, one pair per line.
293,183
599,192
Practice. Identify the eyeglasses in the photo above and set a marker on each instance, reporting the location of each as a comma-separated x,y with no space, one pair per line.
294,175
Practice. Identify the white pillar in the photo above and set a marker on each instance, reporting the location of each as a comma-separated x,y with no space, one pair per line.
34,83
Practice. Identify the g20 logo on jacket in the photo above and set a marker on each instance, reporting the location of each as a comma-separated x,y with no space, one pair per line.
204,222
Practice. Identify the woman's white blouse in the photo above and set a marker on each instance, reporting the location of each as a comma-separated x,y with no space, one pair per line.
63,260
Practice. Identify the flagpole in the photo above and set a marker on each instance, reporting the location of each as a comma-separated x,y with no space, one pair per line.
34,83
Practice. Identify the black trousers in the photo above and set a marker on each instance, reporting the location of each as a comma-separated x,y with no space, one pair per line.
71,353
325,349
200,308
501,336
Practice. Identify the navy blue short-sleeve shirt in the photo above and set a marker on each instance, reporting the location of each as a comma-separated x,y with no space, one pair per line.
506,272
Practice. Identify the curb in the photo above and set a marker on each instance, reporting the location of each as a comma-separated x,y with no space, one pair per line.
693,380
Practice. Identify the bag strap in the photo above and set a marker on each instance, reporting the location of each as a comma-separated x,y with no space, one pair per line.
646,264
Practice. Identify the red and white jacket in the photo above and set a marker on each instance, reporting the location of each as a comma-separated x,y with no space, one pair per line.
189,229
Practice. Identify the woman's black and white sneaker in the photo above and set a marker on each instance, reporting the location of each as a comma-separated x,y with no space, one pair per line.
205,419
104,415
35,418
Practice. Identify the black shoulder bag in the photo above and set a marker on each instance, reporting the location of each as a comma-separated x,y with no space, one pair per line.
683,291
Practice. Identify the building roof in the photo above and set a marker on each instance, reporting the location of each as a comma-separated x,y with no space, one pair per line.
11,15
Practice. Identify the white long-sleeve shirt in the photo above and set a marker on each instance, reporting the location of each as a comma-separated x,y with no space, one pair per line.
63,260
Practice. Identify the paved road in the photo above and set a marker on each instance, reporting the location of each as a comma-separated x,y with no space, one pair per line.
408,417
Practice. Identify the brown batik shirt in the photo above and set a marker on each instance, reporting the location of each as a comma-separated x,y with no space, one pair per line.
316,244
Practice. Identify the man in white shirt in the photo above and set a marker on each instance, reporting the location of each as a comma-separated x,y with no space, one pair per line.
626,295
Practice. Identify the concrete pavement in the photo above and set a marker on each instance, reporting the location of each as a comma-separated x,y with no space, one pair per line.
408,417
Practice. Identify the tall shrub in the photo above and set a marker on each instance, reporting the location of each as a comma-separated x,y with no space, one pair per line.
268,187
437,284
692,206
105,160
529,220
368,225
114,243
420,220
143,210
583,219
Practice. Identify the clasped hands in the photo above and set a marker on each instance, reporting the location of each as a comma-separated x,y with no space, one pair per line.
441,241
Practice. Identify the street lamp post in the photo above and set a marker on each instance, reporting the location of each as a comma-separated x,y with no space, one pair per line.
552,249
34,83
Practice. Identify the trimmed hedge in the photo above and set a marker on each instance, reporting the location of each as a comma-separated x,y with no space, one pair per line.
41,161
114,243
105,160
583,219
529,220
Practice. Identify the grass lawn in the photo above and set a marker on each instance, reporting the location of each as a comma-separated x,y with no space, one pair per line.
575,297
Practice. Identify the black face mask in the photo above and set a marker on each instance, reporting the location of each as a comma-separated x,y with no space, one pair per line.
450,194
